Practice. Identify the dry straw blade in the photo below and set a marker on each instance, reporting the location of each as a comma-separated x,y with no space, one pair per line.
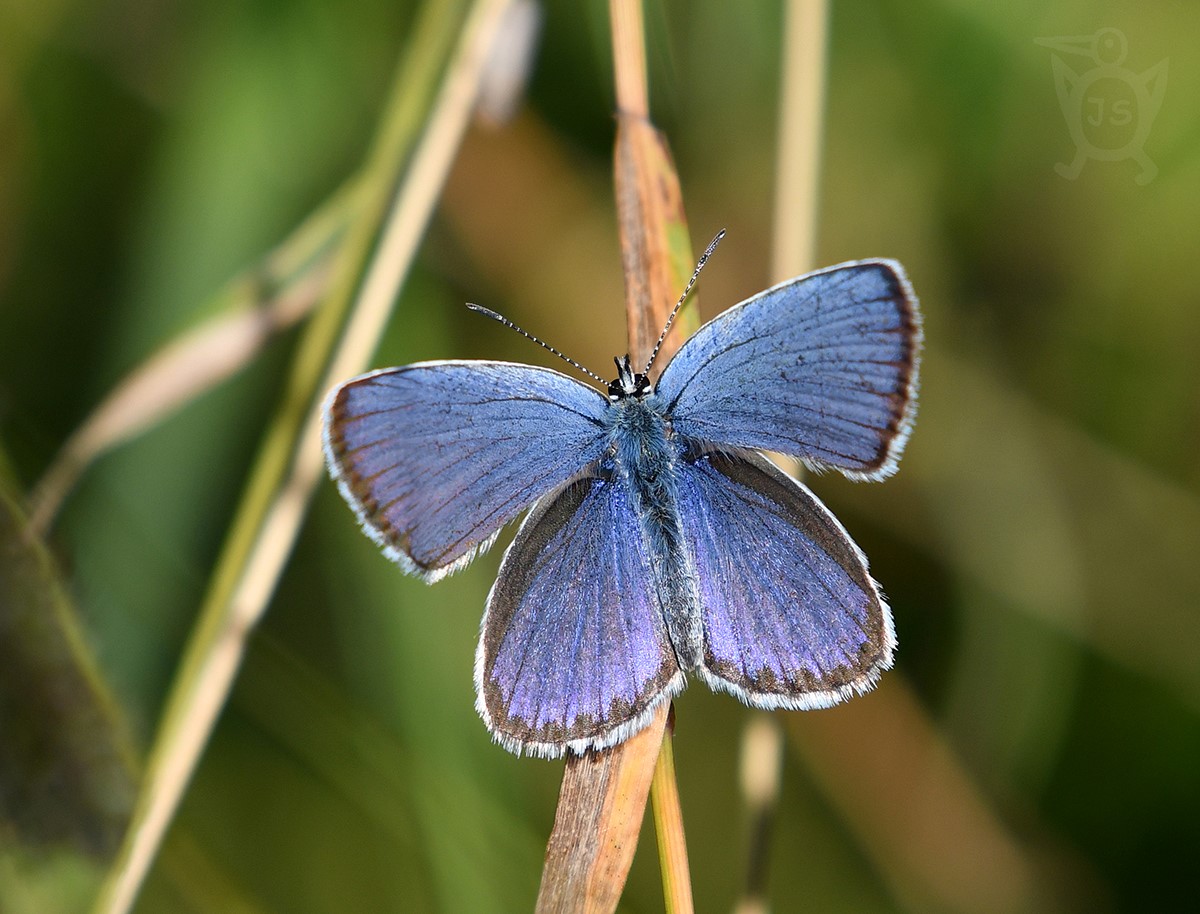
432,100
251,311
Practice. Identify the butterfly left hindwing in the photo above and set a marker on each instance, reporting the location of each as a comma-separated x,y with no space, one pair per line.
573,652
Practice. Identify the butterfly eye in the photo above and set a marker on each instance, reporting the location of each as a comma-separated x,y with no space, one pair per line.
628,384
625,383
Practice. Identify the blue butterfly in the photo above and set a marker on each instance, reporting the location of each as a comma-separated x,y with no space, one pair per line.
661,541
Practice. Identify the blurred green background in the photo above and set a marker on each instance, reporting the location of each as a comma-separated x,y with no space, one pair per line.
1040,546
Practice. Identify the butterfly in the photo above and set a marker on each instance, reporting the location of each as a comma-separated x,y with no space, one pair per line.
659,540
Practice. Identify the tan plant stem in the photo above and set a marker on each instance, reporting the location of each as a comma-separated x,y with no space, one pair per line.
603,796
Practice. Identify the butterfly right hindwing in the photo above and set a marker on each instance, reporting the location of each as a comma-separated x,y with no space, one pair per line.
791,617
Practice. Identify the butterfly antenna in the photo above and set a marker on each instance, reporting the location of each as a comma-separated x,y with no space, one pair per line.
712,246
500,318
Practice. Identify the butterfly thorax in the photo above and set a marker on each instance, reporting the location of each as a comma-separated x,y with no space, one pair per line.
646,453
639,438
640,441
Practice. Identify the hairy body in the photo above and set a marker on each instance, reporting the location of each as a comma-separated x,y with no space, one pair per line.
646,453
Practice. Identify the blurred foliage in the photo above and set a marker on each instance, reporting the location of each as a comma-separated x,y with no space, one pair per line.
67,771
1038,545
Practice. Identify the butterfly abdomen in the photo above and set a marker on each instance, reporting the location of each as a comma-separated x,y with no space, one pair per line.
647,456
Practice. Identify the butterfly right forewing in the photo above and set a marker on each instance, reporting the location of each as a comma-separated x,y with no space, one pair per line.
822,367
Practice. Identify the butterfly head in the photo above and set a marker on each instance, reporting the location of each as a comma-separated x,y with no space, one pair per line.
628,383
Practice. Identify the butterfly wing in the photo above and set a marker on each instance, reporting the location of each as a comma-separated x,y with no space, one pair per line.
574,652
823,367
436,457
791,618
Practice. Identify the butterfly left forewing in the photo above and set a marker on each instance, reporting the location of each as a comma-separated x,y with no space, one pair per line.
436,457
791,617
574,651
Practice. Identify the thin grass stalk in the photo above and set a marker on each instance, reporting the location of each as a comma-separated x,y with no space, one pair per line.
868,786
668,827
289,464
793,251
801,134
760,763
